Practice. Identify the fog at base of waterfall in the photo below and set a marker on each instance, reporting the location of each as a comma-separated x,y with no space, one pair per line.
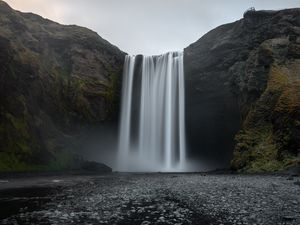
134,163
152,127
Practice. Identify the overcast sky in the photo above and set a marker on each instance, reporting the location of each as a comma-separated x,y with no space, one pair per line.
147,26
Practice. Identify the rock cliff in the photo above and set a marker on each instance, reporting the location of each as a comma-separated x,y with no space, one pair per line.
242,91
56,81
243,82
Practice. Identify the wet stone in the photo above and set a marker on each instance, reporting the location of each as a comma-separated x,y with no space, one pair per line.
164,199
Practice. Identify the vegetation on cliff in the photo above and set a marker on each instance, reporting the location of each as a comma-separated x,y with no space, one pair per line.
56,81
243,81
270,136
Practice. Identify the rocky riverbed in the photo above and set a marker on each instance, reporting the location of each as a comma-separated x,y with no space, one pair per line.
151,199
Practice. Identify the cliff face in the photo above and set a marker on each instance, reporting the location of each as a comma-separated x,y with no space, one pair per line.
242,91
243,81
56,81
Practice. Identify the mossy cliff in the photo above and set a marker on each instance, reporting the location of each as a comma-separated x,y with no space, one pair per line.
270,136
56,81
243,92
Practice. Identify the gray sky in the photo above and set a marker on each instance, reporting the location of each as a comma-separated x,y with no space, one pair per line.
147,26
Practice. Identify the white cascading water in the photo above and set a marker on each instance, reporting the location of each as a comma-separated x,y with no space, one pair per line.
152,128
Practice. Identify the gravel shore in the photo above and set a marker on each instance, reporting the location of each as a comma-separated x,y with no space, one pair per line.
151,199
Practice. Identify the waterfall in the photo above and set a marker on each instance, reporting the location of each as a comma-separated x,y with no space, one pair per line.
152,127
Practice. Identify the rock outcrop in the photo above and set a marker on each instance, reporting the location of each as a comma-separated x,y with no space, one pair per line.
243,81
56,81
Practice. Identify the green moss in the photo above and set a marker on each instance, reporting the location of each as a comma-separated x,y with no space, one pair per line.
79,84
10,162
266,141
292,162
80,103
251,145
17,141
289,101
257,151
28,57
17,134
277,79
264,155
111,94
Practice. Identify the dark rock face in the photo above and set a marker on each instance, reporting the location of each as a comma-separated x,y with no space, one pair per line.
232,76
56,82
